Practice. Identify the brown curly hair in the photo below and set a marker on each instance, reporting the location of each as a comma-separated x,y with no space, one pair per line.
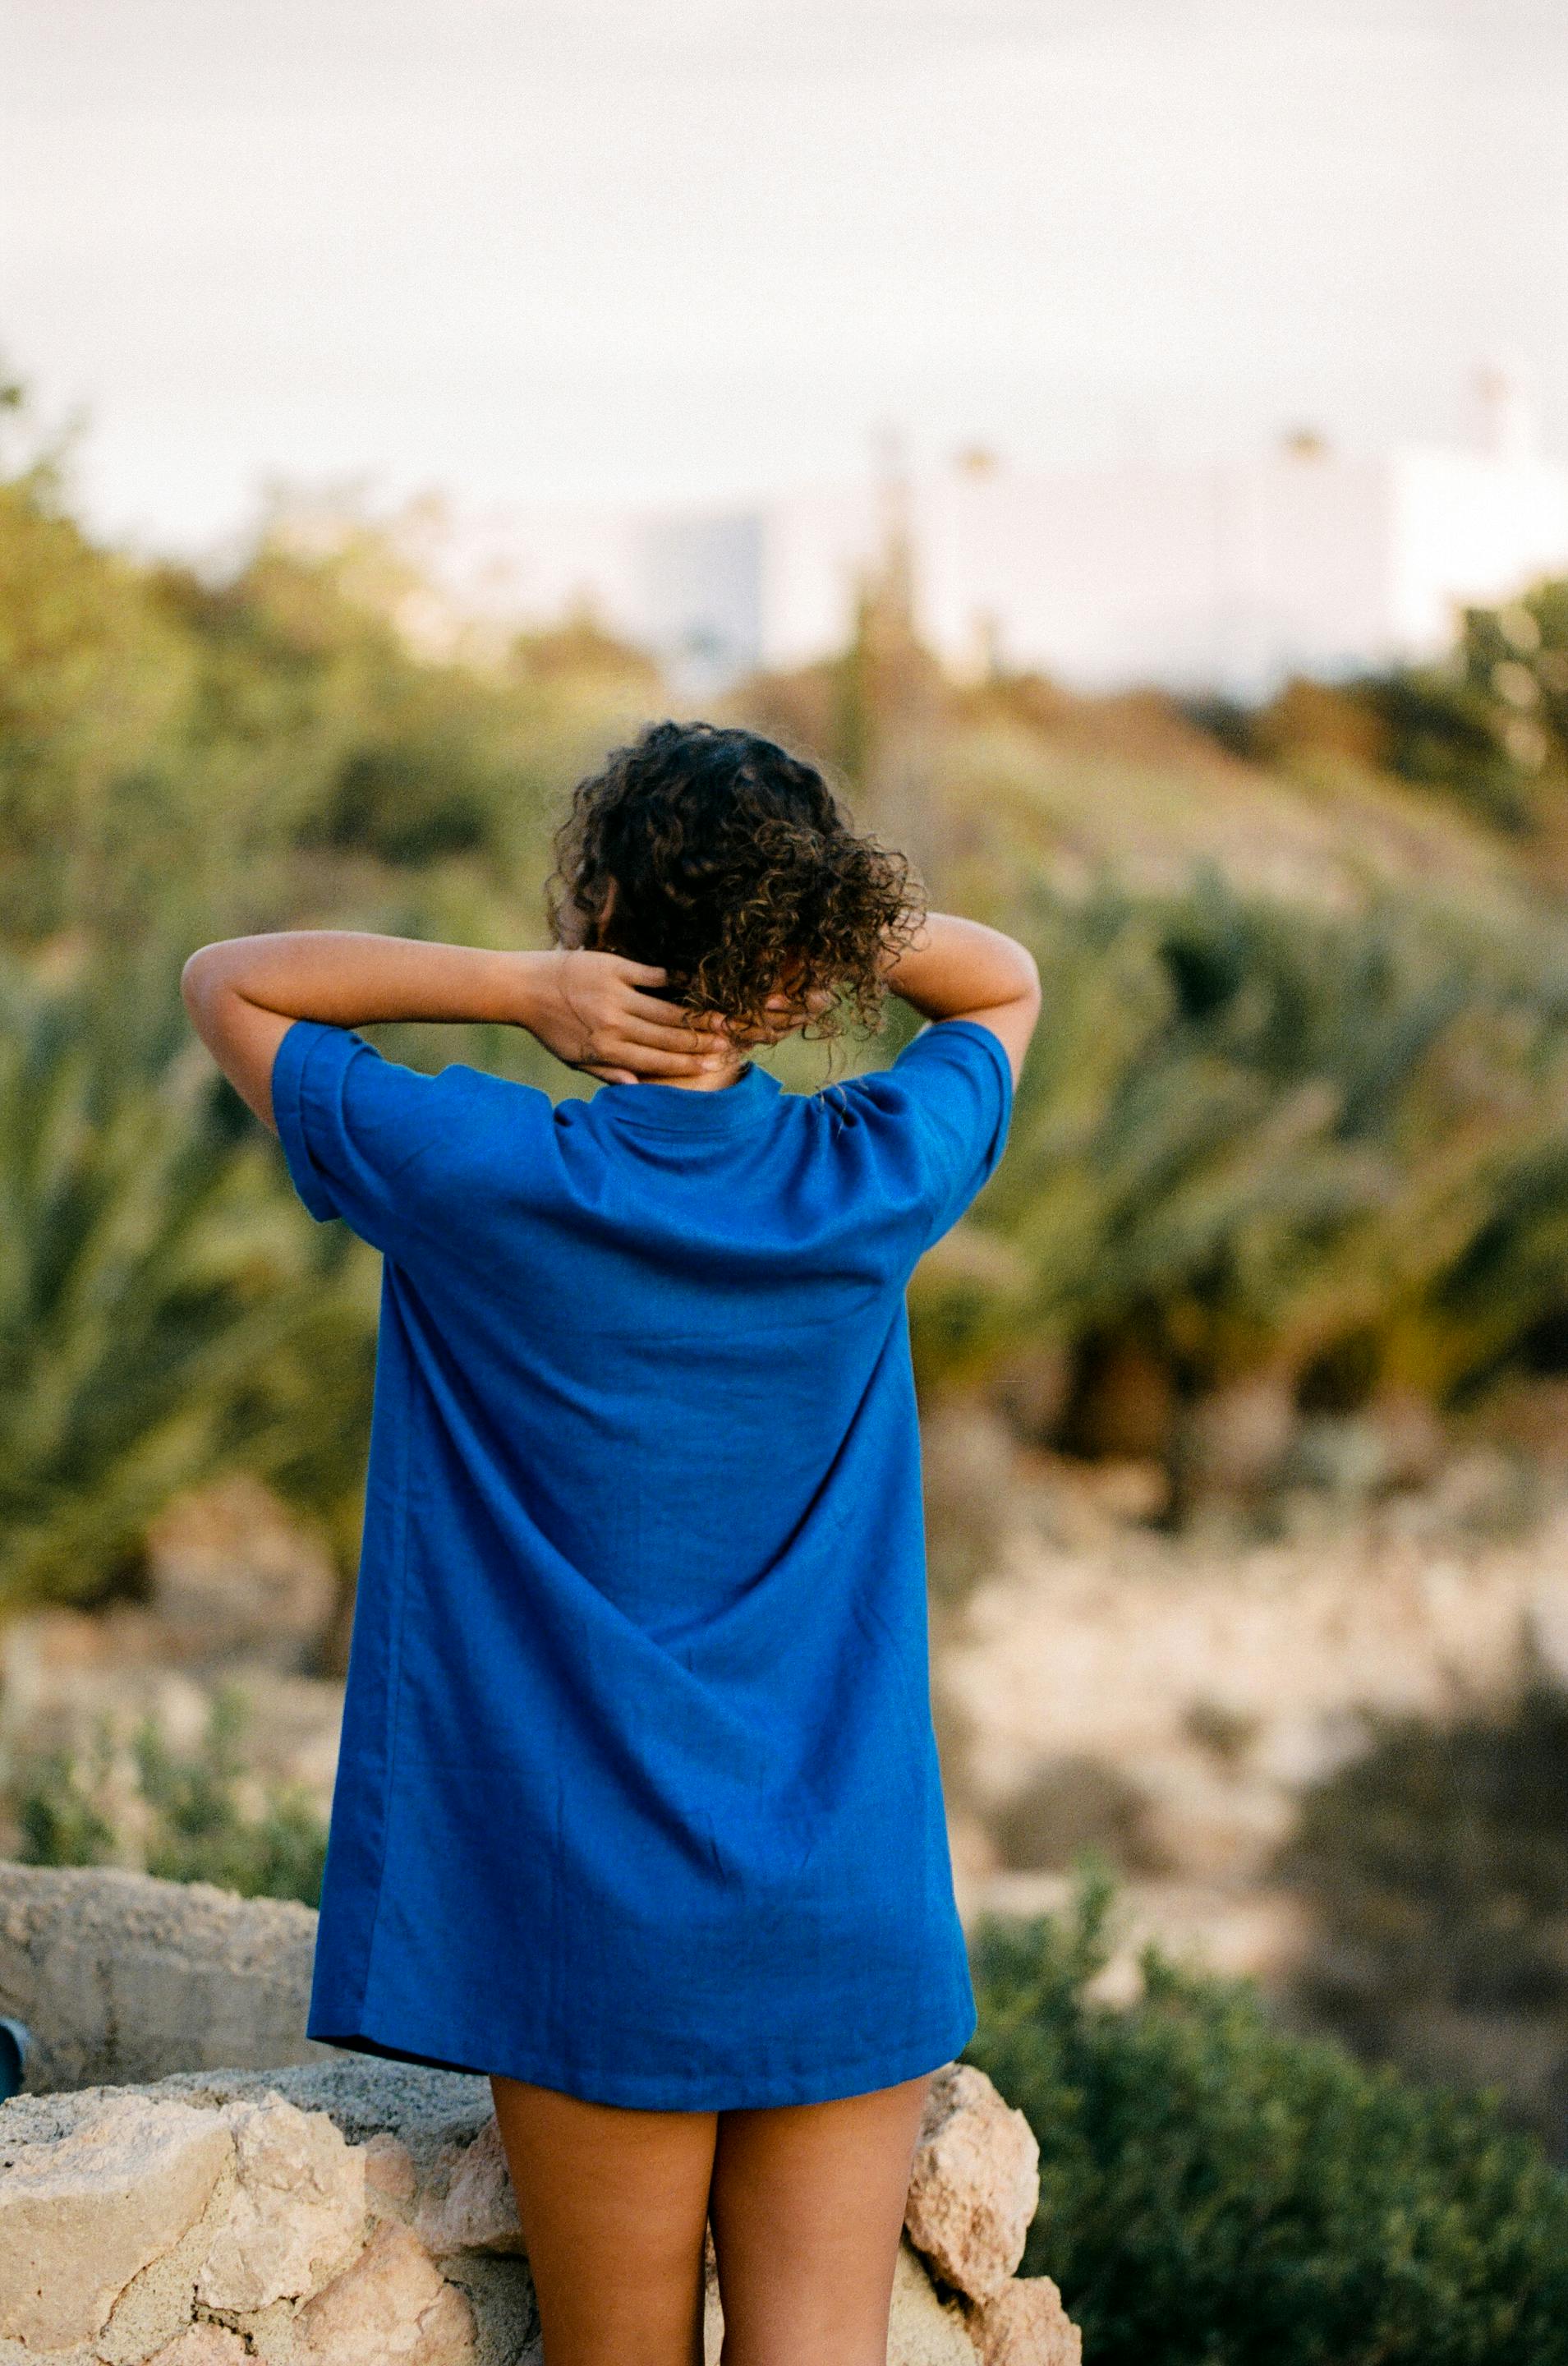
727,861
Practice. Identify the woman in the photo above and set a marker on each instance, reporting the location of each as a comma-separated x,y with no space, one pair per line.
639,1810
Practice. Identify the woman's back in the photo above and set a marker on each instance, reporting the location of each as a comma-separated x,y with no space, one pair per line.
643,1559
657,1317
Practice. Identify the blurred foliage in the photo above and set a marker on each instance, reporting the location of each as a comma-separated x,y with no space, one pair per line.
1283,1115
1436,1863
1488,726
149,1272
1253,1137
1214,2192
193,1815
180,758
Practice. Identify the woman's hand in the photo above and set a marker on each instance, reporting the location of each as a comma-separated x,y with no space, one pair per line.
590,1009
595,1011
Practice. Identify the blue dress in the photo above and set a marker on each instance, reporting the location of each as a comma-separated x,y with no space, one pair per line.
638,1794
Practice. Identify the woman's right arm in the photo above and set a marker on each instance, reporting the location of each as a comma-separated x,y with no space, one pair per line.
594,1010
959,969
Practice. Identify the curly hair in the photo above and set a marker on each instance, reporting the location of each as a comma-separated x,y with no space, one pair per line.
722,859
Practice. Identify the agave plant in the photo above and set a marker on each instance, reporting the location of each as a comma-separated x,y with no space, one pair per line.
156,1279
1246,1134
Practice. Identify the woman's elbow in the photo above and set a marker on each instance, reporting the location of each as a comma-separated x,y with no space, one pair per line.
192,977
201,982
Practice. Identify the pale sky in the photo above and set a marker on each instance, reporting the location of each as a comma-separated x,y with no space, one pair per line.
518,249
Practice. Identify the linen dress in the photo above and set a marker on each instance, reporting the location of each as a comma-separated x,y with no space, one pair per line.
638,1794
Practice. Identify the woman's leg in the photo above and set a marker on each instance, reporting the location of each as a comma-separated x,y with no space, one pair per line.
807,2205
614,2205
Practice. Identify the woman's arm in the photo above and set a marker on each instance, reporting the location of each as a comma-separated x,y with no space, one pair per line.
590,1009
957,969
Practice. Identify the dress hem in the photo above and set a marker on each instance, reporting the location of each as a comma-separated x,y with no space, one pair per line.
826,2083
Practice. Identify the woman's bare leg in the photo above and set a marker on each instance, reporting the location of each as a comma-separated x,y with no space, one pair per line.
614,2205
807,2204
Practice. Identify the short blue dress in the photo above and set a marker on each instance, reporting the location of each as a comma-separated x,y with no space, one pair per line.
638,1794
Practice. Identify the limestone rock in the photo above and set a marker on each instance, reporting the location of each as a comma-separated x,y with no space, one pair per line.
1025,2324
389,2171
81,2216
975,2185
122,1977
479,2210
203,2345
392,2307
423,2145
298,2208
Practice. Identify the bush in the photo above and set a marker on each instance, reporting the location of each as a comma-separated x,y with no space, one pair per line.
1215,2192
194,1816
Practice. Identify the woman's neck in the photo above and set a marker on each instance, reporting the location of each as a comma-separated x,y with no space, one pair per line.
718,1081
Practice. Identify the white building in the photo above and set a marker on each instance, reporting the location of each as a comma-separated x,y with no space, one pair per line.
1221,577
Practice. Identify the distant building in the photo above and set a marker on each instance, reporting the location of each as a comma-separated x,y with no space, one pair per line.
1226,576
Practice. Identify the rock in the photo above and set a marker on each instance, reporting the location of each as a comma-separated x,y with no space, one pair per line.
83,2214
281,2234
389,2171
976,2185
299,2207
123,1977
392,2307
1025,2324
393,2112
204,2345
479,2210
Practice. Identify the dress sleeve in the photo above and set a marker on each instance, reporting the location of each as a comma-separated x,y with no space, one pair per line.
949,1093
354,1128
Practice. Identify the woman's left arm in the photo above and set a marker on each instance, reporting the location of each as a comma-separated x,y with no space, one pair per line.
594,1010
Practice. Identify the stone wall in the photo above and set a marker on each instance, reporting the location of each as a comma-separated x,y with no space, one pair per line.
120,1976
277,2199
359,2214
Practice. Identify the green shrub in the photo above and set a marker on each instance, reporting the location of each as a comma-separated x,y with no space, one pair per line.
186,1815
1215,2192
